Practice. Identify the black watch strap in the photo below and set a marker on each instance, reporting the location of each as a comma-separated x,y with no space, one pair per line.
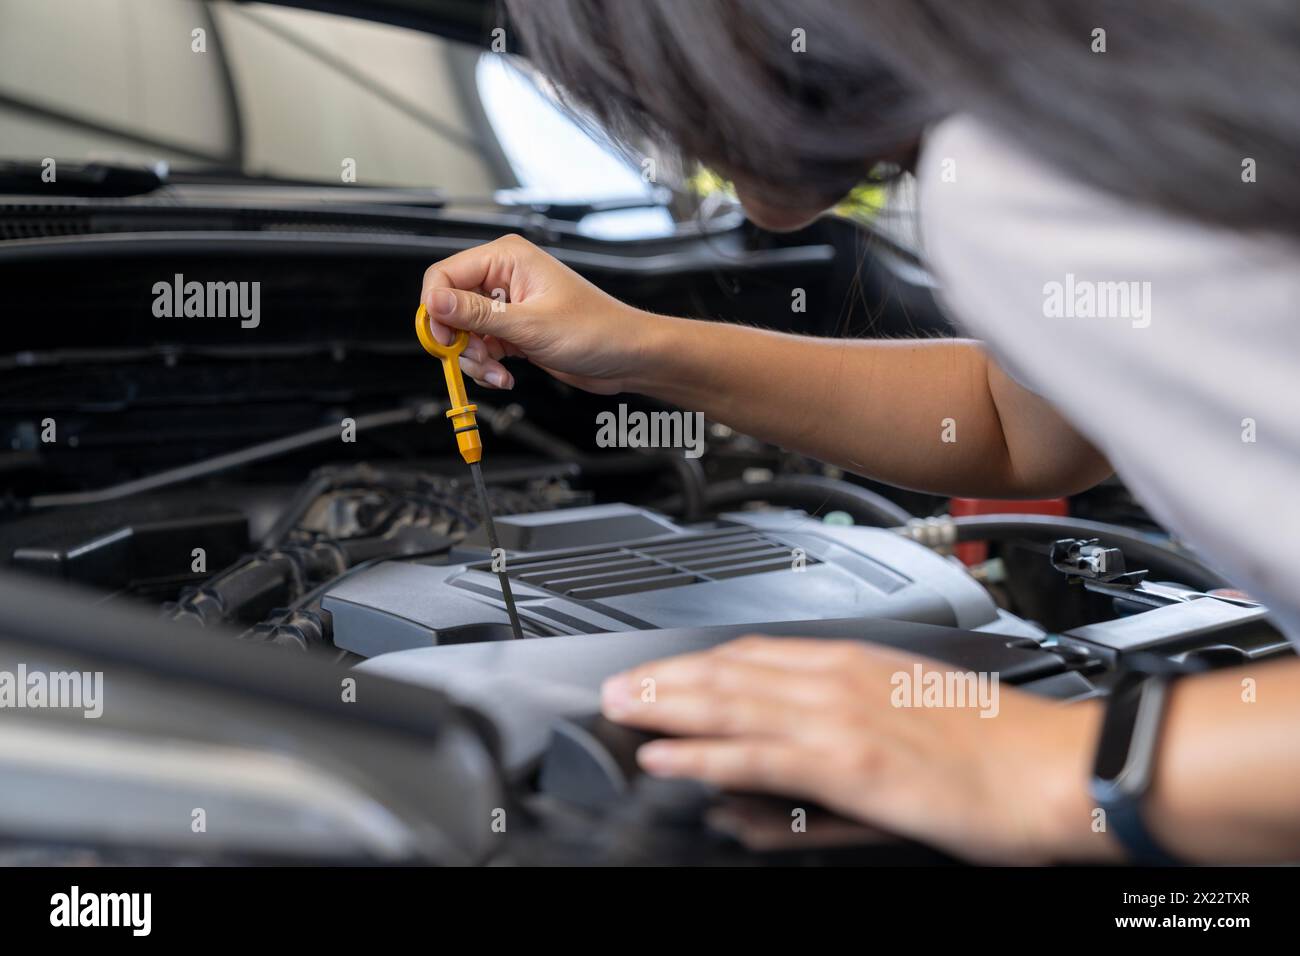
1126,824
1125,762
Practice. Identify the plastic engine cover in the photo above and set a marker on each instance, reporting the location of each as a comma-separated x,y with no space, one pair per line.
616,568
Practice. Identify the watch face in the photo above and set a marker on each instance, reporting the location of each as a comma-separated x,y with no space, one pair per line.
1114,747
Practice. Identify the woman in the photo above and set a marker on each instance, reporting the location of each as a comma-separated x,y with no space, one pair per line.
1110,197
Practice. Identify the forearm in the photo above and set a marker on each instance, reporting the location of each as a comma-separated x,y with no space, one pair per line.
918,414
1227,774
1227,783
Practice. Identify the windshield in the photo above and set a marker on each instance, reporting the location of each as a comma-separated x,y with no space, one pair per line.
218,88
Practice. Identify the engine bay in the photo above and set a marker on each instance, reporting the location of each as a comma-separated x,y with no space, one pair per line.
293,488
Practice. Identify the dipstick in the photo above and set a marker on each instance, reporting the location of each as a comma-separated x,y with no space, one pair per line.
468,440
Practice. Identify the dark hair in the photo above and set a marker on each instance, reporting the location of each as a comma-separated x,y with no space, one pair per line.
720,81
1185,92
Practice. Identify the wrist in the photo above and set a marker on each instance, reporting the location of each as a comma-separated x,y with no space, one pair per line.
657,348
1071,827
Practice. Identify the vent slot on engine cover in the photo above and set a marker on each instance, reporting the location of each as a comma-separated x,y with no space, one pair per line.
654,565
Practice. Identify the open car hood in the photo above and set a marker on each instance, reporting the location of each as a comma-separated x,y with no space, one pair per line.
470,21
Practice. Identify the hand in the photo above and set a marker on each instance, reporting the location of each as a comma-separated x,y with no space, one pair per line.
816,719
516,300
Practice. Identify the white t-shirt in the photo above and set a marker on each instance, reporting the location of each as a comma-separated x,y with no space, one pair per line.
1173,346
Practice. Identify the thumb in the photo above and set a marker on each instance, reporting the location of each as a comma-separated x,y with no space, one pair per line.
470,311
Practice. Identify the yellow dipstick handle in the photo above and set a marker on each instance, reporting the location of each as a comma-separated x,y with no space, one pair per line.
461,412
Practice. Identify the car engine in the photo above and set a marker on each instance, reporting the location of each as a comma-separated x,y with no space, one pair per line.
293,492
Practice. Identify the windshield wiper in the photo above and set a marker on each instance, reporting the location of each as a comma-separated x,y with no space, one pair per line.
25,178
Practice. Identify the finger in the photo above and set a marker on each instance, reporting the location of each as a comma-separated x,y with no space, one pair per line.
488,266
470,311
489,374
474,371
442,333
770,766
494,346
810,654
476,349
699,711
711,672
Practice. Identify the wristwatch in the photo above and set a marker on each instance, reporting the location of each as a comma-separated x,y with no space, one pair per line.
1124,768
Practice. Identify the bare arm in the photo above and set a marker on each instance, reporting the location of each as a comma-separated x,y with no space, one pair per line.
936,416
808,718
1228,779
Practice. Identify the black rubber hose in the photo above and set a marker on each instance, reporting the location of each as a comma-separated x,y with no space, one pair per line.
258,579
695,486
1139,548
815,494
